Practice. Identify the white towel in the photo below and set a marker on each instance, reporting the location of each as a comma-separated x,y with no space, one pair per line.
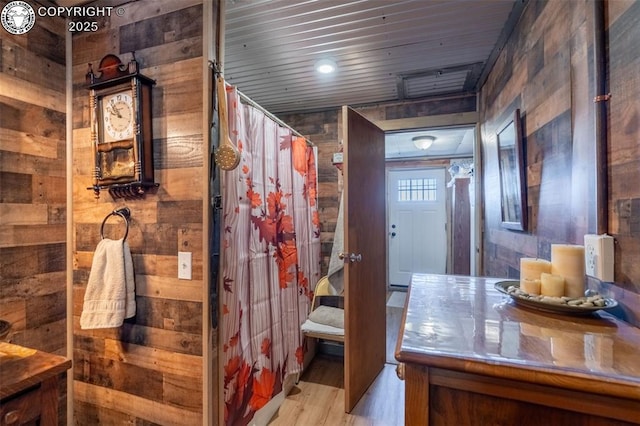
110,295
335,272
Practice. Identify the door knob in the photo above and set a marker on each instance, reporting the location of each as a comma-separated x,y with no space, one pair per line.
350,257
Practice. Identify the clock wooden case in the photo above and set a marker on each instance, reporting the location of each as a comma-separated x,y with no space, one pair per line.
121,129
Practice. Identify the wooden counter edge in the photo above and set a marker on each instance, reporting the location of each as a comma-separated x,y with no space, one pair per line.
19,374
565,379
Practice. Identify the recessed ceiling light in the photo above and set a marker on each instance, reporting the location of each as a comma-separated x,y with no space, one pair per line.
326,66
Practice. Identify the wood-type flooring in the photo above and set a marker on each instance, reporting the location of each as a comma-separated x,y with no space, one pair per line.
318,399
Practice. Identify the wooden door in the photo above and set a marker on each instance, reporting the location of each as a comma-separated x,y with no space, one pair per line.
365,231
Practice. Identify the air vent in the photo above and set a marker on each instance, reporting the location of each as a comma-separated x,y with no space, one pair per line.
440,81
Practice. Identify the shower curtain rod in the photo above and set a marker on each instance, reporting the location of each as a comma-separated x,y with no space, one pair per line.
271,116
217,69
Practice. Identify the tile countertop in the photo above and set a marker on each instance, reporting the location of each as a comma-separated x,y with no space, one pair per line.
22,368
463,323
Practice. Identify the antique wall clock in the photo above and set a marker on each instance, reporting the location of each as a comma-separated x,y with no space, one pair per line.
121,130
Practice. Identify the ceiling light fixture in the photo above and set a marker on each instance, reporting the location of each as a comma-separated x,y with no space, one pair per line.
326,66
423,142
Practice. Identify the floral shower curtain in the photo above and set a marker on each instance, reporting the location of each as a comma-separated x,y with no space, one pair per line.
271,258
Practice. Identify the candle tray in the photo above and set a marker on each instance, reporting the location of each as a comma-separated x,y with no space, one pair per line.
557,308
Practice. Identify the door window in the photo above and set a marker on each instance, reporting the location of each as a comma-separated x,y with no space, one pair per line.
417,189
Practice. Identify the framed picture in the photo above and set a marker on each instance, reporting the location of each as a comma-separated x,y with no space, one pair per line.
513,189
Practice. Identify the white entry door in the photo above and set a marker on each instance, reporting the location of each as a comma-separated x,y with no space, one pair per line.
417,233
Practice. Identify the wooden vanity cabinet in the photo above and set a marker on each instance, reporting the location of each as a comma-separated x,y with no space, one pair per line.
472,357
23,409
29,382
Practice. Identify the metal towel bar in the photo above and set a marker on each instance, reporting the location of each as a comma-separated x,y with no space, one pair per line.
124,213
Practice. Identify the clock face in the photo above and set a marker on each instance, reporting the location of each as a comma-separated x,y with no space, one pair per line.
117,116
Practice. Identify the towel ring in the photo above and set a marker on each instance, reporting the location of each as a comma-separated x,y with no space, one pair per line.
124,213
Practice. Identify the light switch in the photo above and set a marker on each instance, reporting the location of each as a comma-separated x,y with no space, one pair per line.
184,265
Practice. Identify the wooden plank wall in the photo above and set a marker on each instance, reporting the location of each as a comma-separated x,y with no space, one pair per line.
33,188
545,70
323,129
149,371
33,185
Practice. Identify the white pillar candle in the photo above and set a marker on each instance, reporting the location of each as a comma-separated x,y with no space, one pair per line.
552,285
530,286
530,270
567,260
